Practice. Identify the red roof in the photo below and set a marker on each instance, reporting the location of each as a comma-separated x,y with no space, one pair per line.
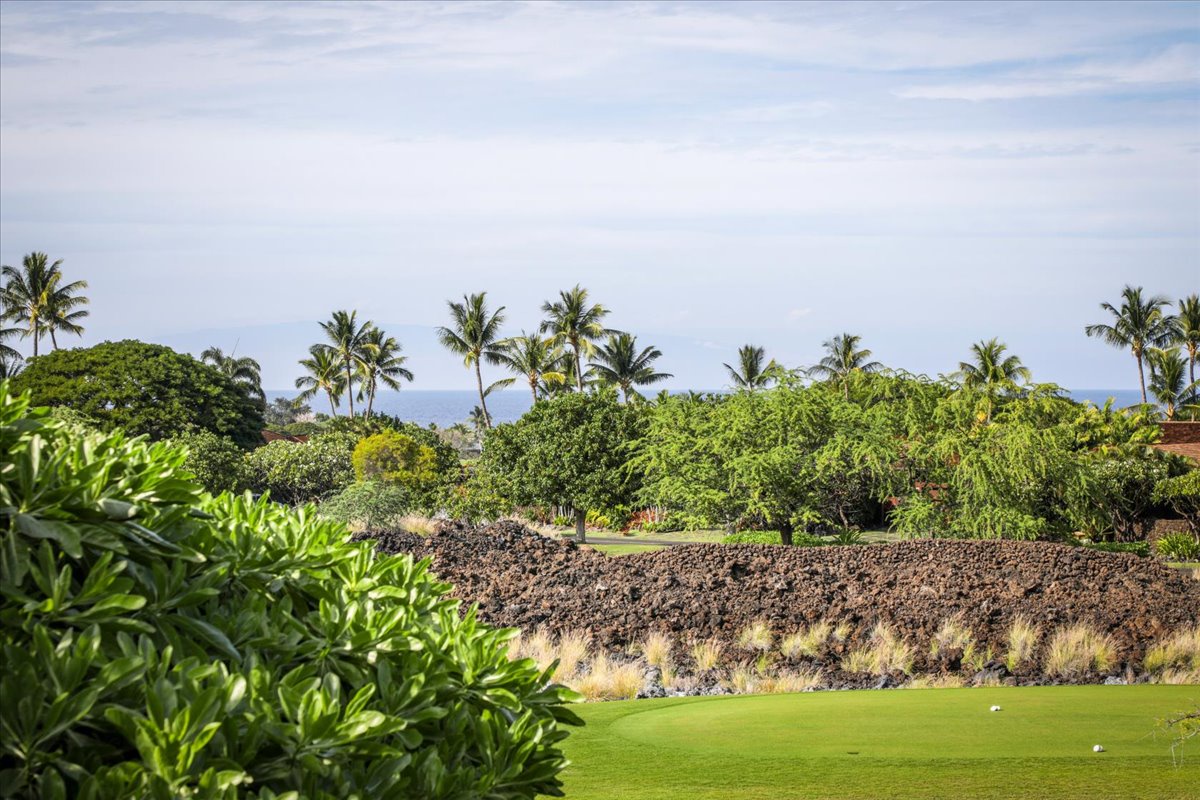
272,436
1180,438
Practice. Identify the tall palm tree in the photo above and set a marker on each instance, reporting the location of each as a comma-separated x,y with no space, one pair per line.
36,297
992,371
475,336
1187,330
576,324
844,359
346,340
324,375
244,371
1169,379
619,363
7,351
751,373
1139,323
380,363
539,360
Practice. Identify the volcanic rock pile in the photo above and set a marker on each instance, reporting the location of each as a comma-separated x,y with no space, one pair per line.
519,578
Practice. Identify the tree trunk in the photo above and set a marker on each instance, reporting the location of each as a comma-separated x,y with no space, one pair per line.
37,334
533,388
370,401
580,525
349,389
53,340
1141,376
487,419
578,366
785,532
332,407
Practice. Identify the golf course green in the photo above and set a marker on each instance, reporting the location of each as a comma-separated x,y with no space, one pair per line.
931,743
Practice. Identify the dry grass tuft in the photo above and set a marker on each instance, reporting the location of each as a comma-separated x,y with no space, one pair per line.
706,654
1177,677
807,641
1181,652
952,635
606,680
421,526
570,649
1079,649
885,653
1023,638
656,649
742,680
975,658
756,636
936,682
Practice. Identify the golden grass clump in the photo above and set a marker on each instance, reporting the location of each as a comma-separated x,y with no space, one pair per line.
571,649
936,682
1078,649
952,635
743,680
807,641
1180,652
606,680
975,658
1023,638
792,682
756,636
656,649
1177,677
421,526
885,653
706,654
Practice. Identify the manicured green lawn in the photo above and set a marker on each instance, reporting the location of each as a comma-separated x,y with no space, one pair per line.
931,743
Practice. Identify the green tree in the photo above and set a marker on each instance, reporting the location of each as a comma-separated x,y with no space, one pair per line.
991,372
1138,324
324,375
576,324
243,371
538,360
282,412
395,458
1187,331
751,372
618,363
1169,379
303,472
475,335
346,340
11,362
144,388
36,297
380,364
569,451
843,359
216,462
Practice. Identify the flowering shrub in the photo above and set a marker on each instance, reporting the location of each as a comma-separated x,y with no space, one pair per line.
301,472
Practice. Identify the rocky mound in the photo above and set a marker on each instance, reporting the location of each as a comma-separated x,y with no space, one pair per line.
519,578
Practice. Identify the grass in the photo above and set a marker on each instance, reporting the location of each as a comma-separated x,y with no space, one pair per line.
624,549
936,743
1079,649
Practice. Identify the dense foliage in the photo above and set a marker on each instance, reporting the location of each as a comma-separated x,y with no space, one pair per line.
215,462
143,389
569,451
302,472
160,644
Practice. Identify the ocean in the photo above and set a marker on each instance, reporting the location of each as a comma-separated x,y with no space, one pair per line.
444,408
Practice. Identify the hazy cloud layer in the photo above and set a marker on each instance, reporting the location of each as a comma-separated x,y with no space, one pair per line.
926,174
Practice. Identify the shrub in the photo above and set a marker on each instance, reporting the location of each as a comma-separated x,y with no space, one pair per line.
1078,650
216,463
301,472
1182,493
1140,549
164,644
369,505
771,537
1178,547
392,457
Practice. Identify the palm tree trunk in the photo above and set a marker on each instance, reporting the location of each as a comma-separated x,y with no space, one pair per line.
332,407
578,365
533,388
487,419
1141,376
53,340
349,388
37,334
580,525
625,393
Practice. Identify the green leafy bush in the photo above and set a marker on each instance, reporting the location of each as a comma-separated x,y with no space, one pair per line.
158,644
395,458
217,463
302,472
1182,493
1178,547
771,537
368,505
1141,549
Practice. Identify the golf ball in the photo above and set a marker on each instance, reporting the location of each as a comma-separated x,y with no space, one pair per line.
1097,749
995,708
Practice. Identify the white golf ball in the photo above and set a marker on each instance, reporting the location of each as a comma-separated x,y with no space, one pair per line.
995,708
1097,749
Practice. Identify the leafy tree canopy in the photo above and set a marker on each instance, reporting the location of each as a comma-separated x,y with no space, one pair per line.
143,389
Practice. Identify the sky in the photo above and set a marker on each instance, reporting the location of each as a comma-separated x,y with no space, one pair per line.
925,175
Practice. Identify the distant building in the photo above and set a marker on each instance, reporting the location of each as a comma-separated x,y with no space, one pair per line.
272,436
1180,438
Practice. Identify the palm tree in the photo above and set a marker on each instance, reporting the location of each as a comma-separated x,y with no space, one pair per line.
991,370
576,324
324,374
1169,379
1138,324
843,360
619,363
346,340
35,296
9,352
538,360
476,337
243,371
751,373
1187,330
381,363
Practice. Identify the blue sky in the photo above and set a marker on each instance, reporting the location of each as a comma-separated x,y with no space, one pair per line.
924,174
